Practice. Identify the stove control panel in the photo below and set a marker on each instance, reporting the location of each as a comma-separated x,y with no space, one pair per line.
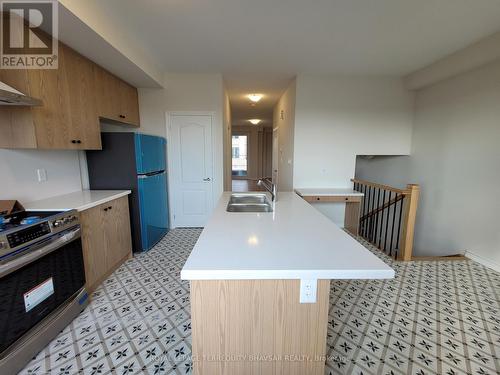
27,235
21,236
64,222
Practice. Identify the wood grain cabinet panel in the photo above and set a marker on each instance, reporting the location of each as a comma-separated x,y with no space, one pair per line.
257,327
94,245
16,123
74,97
107,93
67,119
84,118
117,228
106,239
117,100
130,104
52,119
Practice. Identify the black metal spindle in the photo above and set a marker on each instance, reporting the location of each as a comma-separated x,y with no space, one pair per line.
376,218
400,221
393,221
381,222
367,218
387,222
370,212
364,210
370,194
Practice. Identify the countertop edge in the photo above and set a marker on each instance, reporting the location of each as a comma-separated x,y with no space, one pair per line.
79,208
319,193
104,200
205,275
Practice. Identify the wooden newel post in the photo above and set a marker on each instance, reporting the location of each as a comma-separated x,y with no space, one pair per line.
410,214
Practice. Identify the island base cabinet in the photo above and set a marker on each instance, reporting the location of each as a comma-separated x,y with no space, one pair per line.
106,240
257,327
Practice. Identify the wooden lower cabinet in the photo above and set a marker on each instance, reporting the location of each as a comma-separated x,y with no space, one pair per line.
106,239
257,327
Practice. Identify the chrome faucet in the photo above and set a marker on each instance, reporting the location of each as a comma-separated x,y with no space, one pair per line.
270,187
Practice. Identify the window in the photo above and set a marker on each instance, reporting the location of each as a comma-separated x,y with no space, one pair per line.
236,152
239,155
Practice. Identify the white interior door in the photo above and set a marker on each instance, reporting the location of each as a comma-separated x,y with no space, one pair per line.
191,169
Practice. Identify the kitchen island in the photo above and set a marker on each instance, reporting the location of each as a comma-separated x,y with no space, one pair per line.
260,286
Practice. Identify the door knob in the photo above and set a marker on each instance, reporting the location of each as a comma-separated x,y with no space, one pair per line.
207,179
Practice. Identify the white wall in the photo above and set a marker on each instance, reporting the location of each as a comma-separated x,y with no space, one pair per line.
227,148
285,129
97,16
456,159
186,92
341,117
337,118
19,178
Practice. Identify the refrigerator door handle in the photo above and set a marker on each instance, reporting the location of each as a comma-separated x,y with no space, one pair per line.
207,179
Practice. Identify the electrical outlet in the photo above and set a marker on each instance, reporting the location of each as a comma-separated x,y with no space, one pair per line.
41,175
308,291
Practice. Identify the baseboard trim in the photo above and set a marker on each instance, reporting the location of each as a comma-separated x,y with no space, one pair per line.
485,262
445,257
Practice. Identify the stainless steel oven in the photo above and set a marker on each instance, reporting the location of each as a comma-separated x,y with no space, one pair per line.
41,287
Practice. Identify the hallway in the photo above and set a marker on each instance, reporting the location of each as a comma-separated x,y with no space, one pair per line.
241,186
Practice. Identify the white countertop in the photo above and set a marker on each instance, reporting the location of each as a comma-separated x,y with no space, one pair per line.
294,242
79,200
328,192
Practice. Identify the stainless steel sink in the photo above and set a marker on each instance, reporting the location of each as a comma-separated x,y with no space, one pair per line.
249,203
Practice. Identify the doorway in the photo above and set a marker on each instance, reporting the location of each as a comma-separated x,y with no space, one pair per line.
190,162
239,161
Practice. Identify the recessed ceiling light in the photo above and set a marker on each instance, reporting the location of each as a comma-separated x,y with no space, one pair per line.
254,97
254,121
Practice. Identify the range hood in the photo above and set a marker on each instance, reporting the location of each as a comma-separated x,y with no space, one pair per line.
10,96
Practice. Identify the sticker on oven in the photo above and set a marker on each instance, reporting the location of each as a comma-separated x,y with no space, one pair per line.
35,296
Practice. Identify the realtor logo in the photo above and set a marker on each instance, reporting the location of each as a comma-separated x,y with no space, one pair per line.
29,34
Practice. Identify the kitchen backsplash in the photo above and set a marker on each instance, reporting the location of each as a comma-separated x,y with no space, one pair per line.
20,170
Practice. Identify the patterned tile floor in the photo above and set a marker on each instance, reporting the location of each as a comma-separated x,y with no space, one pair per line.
433,318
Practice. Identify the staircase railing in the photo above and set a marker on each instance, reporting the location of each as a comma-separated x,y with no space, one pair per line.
387,217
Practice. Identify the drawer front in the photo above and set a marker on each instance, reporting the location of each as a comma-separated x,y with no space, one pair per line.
331,199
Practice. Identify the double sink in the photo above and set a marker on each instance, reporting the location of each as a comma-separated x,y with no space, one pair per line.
253,202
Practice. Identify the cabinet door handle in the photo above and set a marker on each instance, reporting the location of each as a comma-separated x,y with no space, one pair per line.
78,141
207,179
110,207
73,141
106,209
122,116
318,198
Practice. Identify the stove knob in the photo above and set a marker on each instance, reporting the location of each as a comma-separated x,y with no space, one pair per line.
57,223
3,245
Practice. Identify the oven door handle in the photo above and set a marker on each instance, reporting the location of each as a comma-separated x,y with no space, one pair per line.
38,252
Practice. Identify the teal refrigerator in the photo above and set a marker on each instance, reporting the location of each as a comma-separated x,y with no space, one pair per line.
135,162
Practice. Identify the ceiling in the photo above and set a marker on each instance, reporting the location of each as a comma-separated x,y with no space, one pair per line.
259,45
238,86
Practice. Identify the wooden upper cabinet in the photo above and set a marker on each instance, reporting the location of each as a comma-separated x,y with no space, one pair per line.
68,117
130,104
83,114
117,100
74,97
